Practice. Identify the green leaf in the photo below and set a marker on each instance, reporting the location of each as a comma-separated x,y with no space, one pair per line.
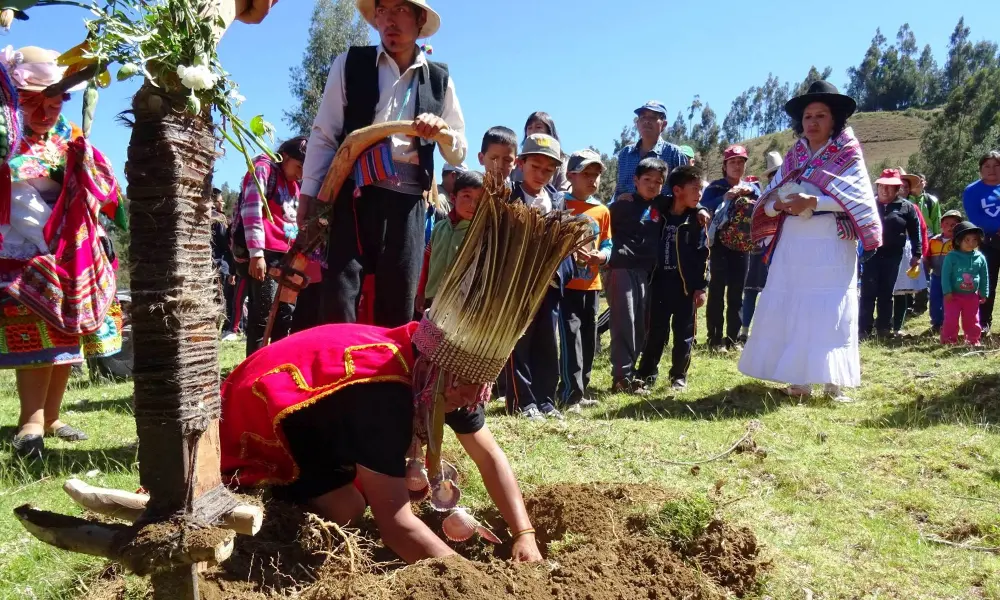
261,128
193,105
127,71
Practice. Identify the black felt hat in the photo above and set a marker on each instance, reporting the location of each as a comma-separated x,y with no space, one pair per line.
825,92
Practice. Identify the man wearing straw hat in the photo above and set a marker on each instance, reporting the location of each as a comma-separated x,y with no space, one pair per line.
377,226
337,417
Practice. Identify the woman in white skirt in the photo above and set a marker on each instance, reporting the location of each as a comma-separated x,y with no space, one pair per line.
811,218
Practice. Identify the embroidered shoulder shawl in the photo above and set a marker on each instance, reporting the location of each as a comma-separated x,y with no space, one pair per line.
839,170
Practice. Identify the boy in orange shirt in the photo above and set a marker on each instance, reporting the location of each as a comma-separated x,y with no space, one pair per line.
579,304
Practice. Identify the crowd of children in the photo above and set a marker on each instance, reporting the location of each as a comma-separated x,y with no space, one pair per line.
651,258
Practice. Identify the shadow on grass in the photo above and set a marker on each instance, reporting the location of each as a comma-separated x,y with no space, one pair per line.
974,401
121,405
62,461
747,400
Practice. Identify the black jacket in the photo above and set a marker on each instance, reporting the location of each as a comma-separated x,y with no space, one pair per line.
899,221
222,256
690,247
635,229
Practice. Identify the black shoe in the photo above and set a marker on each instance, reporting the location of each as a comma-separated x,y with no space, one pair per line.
69,434
28,447
679,384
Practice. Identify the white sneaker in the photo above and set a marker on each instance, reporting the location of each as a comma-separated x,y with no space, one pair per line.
230,337
576,409
833,392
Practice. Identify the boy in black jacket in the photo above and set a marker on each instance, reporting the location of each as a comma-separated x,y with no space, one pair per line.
677,289
635,229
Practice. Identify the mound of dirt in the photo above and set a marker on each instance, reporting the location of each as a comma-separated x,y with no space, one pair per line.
595,542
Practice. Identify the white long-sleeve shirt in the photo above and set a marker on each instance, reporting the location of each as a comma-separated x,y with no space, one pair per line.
392,85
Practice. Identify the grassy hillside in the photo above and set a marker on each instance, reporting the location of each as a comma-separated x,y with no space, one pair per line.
888,139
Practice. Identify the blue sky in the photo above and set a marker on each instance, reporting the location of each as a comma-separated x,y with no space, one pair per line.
588,63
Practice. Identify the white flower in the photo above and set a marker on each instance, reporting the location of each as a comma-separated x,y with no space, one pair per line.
237,97
198,77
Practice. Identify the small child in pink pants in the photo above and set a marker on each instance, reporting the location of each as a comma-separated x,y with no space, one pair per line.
965,284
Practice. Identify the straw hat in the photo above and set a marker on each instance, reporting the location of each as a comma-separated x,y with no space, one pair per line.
915,181
32,69
774,162
367,10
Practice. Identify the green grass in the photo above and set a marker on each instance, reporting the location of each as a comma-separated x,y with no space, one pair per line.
840,501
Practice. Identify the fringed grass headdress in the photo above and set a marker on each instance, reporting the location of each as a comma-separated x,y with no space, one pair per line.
497,282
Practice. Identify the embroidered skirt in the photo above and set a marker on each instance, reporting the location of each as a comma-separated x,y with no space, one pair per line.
27,340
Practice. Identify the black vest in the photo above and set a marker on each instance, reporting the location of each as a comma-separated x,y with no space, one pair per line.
361,83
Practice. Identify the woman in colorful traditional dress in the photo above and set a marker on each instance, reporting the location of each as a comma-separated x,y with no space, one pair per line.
57,178
337,417
262,232
811,217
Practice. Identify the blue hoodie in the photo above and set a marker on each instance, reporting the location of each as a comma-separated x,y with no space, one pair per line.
982,206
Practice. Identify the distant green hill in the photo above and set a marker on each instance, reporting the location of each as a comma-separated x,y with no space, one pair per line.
888,140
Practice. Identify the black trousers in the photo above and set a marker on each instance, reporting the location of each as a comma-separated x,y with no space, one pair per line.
993,265
878,279
533,368
669,309
728,269
578,333
261,296
900,304
380,234
225,293
307,308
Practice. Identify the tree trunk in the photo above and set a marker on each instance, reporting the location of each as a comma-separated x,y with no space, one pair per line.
174,315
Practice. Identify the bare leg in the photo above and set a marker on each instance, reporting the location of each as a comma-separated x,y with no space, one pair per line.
341,506
32,390
54,396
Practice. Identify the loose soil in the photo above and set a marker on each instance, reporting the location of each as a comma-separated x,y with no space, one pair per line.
594,538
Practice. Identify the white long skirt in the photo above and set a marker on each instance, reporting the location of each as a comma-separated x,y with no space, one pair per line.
805,329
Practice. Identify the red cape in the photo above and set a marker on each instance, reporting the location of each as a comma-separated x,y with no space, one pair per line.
295,373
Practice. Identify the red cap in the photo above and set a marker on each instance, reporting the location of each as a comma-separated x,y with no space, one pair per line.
735,151
890,177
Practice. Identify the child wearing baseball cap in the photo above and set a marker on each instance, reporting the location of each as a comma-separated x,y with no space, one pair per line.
580,300
533,369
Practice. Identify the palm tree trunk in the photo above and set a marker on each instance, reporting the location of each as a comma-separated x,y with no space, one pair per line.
174,313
